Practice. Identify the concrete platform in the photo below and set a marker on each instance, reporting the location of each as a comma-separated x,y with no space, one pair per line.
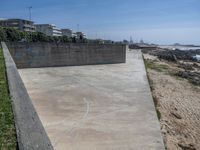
98,107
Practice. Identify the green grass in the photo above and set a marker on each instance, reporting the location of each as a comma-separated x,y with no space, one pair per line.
151,64
7,128
154,65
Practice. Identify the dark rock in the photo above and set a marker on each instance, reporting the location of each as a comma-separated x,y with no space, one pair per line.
186,66
193,77
195,65
184,146
174,55
176,115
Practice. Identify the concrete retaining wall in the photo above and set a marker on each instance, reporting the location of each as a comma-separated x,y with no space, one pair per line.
31,134
34,55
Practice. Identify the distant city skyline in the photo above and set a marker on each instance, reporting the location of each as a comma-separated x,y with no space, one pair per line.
154,21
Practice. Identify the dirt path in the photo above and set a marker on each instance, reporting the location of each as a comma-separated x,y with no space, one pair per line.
178,102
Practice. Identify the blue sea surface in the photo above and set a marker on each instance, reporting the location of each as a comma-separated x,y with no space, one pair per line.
184,48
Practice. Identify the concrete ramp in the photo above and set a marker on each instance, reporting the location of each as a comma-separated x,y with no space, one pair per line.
99,107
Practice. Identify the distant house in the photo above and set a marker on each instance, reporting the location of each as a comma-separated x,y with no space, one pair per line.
48,29
20,24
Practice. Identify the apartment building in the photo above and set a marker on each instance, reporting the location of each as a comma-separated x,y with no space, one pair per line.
20,24
68,32
48,29
80,35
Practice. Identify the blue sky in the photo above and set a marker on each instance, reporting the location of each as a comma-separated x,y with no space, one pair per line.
156,21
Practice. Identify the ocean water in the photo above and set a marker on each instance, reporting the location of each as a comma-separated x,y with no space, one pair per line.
184,48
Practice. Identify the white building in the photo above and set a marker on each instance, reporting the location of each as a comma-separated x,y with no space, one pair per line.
20,24
80,35
68,32
48,29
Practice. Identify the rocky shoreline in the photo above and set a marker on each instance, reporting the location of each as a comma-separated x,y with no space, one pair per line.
173,55
183,59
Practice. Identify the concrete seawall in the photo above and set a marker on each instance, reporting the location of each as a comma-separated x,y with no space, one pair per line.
31,134
96,107
36,55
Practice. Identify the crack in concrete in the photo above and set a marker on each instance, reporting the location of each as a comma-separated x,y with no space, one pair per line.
75,124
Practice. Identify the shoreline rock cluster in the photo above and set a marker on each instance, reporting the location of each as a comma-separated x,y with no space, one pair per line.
183,59
193,77
174,55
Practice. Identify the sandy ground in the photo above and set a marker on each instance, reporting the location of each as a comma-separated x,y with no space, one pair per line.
179,105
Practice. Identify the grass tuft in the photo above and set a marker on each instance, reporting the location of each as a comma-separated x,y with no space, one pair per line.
151,64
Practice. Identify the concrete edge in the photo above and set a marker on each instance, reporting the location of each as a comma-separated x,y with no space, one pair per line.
31,134
158,120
